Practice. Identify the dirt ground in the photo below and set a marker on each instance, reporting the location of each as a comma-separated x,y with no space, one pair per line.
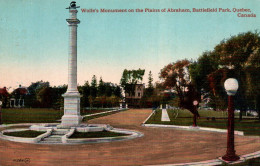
157,146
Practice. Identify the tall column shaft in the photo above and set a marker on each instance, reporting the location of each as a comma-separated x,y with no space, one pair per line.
71,115
72,70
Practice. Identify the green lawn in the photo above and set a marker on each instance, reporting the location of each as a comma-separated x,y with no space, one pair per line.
26,133
249,126
34,115
43,115
96,134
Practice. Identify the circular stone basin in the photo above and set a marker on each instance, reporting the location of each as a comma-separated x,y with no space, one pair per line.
52,134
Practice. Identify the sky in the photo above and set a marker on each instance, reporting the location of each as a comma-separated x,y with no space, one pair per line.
34,37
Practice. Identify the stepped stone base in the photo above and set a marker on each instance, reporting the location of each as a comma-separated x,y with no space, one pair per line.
69,121
55,137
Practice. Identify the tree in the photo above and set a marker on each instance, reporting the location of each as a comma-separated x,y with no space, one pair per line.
129,81
101,100
101,87
114,100
33,90
150,80
238,53
91,101
253,88
85,92
150,89
108,89
199,71
130,78
235,51
93,87
57,99
176,76
117,91
4,96
44,97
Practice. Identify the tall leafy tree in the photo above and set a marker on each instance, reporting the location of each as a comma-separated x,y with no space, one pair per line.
4,96
33,90
176,76
101,87
117,92
150,80
44,97
85,92
109,88
238,53
56,96
130,78
150,89
93,87
199,71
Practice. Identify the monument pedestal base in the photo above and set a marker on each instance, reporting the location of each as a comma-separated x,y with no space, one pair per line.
69,121
71,117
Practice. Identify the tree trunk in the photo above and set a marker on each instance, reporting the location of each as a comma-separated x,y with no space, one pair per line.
240,115
194,120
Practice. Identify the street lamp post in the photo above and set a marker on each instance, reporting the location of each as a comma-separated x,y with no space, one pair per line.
231,86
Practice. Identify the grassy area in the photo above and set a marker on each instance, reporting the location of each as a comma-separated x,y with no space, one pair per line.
42,115
26,133
249,126
33,115
96,134
203,113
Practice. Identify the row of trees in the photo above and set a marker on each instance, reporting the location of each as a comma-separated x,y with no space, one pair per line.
237,56
102,94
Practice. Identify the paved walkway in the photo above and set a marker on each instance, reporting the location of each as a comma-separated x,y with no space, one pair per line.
158,146
165,116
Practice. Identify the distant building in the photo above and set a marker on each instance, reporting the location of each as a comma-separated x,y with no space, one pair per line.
133,96
17,97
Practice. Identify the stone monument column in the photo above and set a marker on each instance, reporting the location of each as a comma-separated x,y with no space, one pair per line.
72,117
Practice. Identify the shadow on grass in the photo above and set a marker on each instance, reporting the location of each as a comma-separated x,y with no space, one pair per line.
96,134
